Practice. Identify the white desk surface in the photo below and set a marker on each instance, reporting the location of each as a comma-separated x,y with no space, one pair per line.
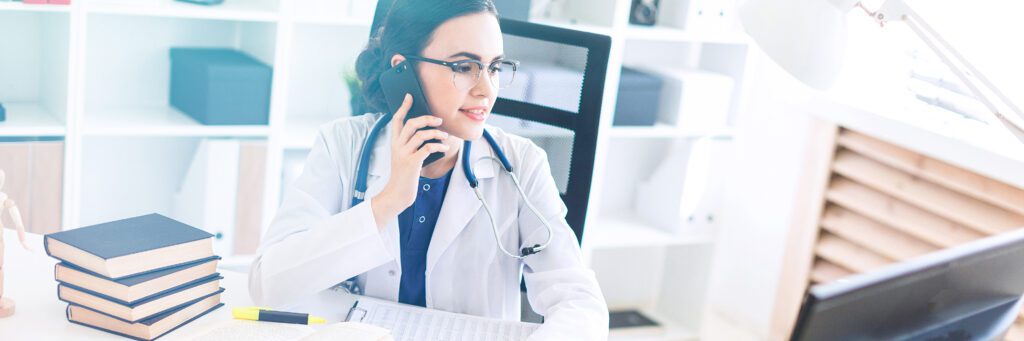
28,280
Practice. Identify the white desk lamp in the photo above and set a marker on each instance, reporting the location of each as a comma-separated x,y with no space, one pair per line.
807,38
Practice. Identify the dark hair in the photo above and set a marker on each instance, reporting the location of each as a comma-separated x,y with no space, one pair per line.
406,29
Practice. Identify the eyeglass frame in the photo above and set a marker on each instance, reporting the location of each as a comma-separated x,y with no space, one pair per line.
454,64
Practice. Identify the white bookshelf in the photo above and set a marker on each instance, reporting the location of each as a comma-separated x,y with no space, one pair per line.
98,75
659,270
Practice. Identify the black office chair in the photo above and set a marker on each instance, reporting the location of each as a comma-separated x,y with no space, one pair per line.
555,101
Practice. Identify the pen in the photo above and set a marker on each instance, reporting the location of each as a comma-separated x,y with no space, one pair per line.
265,314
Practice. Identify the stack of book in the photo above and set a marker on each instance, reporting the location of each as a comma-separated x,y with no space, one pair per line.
139,277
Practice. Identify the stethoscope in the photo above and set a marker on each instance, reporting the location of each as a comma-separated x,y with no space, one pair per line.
364,166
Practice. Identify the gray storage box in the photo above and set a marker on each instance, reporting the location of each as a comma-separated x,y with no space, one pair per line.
218,86
638,99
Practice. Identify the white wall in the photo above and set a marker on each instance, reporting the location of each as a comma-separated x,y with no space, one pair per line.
759,197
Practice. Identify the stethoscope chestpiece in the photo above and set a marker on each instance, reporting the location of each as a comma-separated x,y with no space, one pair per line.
536,248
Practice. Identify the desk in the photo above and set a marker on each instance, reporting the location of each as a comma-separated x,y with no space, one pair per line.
28,280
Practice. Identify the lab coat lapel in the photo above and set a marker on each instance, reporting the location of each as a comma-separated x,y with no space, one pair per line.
379,172
460,202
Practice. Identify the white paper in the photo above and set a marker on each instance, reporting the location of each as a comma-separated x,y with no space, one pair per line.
415,323
271,331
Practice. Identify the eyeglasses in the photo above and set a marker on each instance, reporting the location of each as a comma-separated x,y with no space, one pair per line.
466,73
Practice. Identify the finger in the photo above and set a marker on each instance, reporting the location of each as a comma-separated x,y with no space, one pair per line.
423,136
415,124
430,148
398,118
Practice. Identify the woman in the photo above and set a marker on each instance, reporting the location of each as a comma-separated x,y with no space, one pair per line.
421,236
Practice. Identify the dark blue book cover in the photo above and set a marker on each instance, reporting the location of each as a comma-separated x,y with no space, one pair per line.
145,276
100,245
148,298
129,236
143,301
150,320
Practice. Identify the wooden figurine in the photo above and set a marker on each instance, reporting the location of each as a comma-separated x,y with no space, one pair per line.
6,203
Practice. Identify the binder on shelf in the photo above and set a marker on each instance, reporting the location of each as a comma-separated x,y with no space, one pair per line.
222,191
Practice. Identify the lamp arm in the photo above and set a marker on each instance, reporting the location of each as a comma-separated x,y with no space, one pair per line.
983,89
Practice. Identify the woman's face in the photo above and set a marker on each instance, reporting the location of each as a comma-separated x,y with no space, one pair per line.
463,111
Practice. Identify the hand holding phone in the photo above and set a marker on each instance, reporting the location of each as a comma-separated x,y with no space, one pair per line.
407,154
396,83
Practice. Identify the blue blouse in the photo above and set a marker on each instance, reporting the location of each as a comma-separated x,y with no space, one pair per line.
416,226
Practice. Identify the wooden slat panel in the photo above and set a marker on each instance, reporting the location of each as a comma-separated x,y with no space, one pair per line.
848,255
959,179
958,207
47,187
802,236
825,272
873,236
249,208
15,160
897,214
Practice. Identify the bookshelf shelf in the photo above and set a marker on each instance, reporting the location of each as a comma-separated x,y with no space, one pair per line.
30,119
160,121
666,131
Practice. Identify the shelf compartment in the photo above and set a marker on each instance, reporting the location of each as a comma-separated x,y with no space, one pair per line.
137,102
34,68
205,182
324,96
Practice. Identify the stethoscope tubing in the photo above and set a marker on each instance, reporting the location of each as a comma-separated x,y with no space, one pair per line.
362,171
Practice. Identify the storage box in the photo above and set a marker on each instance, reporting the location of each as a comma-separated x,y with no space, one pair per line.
638,99
218,86
694,99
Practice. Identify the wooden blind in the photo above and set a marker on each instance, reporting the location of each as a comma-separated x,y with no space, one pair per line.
884,204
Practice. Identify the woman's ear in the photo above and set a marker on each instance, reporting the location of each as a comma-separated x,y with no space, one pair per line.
397,59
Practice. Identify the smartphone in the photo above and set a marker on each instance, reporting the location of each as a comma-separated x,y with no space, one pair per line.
401,80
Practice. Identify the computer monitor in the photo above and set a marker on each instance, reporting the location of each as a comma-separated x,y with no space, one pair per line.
968,292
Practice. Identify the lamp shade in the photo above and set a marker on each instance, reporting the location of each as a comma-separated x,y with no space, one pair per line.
807,38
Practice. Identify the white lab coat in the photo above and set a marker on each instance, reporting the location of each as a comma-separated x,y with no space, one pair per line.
318,240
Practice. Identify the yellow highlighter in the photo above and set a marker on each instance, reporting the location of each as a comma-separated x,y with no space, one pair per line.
266,314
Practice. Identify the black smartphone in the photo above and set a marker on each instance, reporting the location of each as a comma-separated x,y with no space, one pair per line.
401,80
